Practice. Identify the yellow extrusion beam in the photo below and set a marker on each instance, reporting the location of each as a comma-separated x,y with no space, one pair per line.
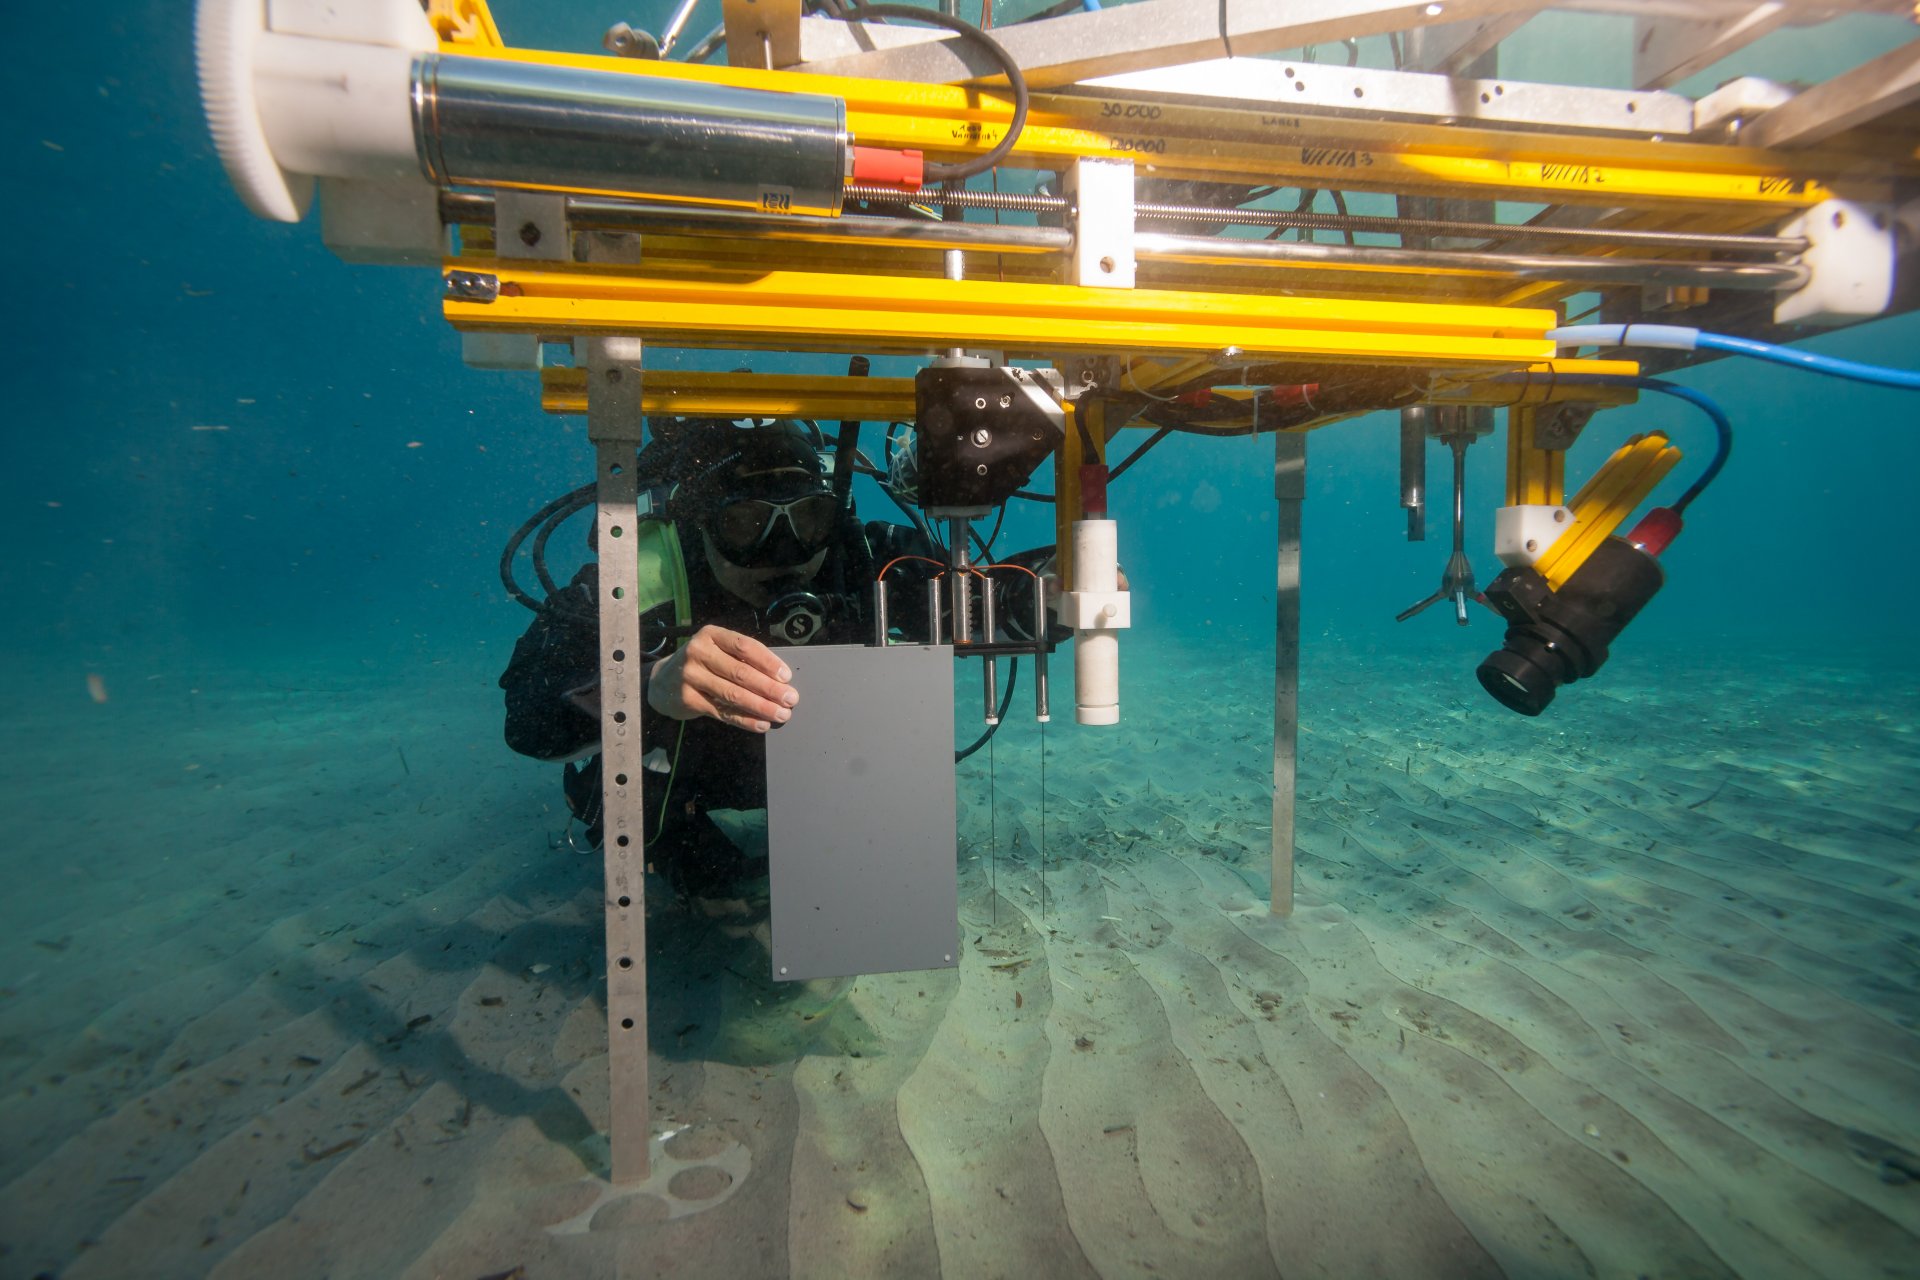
1275,148
1535,476
1606,500
737,395
465,24
835,397
818,311
1068,506
1541,383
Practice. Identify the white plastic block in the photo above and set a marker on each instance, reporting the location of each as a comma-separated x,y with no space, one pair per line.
1097,610
1851,257
501,350
1521,535
1102,195
383,223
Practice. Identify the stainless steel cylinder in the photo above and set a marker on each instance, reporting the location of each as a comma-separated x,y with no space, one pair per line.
962,580
1413,470
1041,710
989,668
492,123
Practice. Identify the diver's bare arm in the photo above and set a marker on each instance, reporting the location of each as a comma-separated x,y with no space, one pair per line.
726,675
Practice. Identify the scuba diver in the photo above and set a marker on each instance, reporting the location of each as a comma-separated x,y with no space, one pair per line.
771,553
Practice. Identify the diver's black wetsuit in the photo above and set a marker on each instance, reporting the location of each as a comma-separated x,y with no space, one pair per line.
720,766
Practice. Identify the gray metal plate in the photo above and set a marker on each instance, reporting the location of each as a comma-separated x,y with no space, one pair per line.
861,814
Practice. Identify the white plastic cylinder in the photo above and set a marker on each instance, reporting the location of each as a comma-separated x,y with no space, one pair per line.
336,109
1096,651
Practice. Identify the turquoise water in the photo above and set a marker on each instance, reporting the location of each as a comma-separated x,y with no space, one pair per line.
261,819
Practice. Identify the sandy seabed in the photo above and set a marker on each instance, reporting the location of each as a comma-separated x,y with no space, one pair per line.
294,982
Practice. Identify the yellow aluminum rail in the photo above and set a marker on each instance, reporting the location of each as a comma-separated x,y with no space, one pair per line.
1606,500
819,311
670,393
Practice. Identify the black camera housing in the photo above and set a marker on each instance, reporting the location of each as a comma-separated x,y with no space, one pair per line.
1557,637
982,431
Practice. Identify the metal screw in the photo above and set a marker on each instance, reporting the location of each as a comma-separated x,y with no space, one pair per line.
783,971
980,403
981,469
948,959
1106,265
1006,402
613,375
529,234
982,437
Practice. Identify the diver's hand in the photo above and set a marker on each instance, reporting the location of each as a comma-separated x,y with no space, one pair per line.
731,677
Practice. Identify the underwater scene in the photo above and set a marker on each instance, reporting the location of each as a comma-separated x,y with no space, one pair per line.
304,953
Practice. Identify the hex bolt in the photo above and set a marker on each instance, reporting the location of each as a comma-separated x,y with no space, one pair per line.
1006,402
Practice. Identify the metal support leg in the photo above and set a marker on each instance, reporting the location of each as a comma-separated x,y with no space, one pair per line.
614,424
1289,489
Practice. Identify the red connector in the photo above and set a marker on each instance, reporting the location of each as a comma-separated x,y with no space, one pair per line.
1656,530
902,171
1093,490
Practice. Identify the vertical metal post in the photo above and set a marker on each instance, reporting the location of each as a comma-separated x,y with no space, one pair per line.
1289,491
614,424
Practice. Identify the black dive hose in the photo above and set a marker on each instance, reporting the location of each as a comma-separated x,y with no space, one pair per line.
938,172
575,499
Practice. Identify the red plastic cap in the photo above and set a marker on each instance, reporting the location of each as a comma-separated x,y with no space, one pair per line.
879,167
1293,397
1656,530
1093,490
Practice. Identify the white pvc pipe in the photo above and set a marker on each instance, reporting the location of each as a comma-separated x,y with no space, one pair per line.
1096,651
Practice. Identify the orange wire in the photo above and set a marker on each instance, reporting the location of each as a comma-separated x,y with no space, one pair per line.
923,559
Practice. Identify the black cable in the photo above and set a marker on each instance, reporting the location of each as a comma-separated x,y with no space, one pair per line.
1302,205
986,548
1340,207
1032,497
942,172
1134,457
1000,716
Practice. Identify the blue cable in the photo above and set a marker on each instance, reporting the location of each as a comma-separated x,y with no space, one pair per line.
1091,6
1679,338
1834,366
1723,427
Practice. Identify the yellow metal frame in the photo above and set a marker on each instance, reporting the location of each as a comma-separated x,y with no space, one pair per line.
1267,146
1606,500
1535,476
709,292
746,395
819,311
